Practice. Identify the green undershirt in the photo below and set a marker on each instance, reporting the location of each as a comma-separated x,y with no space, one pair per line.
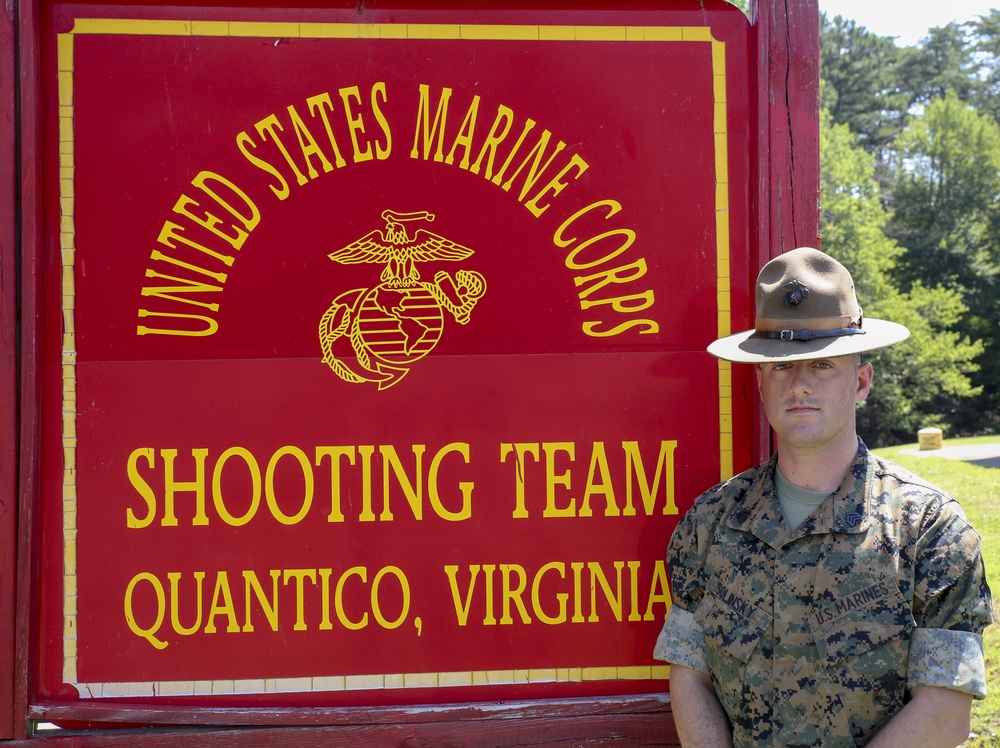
797,503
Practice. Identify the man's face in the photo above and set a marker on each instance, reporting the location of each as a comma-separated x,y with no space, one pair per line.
811,403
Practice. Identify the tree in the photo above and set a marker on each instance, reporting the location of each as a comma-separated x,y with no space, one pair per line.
947,215
942,65
984,34
922,380
860,87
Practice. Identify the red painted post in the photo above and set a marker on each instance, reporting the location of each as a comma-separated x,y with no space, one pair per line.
8,370
785,202
787,91
22,450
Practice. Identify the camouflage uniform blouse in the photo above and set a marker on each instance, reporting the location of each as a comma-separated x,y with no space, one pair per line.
813,637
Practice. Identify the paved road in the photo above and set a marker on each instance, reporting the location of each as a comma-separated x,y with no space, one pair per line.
987,455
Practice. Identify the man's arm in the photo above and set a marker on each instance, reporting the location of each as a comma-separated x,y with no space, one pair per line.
934,718
700,719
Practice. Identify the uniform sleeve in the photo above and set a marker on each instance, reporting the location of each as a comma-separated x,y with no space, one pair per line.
952,606
682,639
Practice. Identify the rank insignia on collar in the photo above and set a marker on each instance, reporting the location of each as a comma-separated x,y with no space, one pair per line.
852,518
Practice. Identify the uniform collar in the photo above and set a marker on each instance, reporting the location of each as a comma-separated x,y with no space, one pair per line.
846,510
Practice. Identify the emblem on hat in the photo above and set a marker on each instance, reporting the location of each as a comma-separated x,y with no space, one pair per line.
796,294
396,323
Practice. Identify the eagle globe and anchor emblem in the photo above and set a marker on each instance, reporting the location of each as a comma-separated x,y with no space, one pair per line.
401,320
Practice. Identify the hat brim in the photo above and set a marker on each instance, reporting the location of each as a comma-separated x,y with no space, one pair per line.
743,348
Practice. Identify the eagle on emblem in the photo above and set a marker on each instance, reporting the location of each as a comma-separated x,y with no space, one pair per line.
391,326
400,251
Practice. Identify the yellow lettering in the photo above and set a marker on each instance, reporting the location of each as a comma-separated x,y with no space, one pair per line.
534,172
142,487
308,145
270,127
355,124
429,129
522,449
464,137
299,576
308,488
613,599
462,610
244,143
338,599
599,464
659,593
320,105
562,479
225,608
172,234
172,487
498,132
561,597
664,469
249,221
464,486
335,453
413,495
175,619
211,326
268,607
556,184
404,608
148,633
513,593
648,326
381,151
220,505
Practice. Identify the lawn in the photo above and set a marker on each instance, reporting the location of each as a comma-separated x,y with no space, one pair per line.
978,490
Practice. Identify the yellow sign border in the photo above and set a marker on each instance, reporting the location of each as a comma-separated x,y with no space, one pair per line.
353,31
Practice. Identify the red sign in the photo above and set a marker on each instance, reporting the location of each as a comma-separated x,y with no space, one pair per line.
374,352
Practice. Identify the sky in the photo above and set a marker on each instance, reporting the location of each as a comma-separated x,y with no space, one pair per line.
906,19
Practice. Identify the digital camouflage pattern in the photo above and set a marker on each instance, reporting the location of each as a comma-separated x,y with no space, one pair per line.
813,637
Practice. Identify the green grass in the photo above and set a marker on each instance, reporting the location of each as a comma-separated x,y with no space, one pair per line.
978,490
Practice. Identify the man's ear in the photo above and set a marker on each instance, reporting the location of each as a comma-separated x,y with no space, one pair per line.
865,374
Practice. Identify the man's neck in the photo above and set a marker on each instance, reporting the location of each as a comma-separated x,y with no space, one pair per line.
821,469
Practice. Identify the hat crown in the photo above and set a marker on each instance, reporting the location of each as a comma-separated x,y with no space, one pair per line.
804,288
806,309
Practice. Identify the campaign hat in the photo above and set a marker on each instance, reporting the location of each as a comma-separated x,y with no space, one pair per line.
806,308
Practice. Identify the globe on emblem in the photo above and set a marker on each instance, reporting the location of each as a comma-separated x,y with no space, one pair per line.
400,324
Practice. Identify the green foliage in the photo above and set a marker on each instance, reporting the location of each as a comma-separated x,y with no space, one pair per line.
985,39
928,116
860,81
943,65
919,381
947,174
947,215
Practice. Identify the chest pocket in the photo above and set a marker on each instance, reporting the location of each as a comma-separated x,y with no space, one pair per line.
873,615
733,623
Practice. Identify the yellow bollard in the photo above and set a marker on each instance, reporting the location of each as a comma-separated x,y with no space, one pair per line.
930,438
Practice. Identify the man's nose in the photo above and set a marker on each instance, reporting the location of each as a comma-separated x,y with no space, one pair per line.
801,380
